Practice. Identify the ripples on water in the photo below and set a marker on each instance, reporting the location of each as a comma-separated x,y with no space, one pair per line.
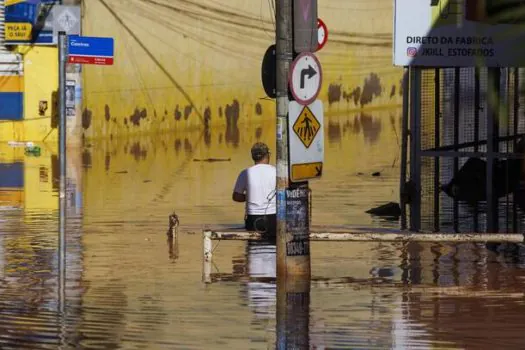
130,287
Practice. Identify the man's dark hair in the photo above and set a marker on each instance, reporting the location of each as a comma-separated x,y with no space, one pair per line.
259,151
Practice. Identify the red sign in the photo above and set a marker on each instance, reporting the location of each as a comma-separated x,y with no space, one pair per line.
102,61
322,34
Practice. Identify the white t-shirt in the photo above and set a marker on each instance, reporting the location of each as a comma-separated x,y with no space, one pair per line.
258,183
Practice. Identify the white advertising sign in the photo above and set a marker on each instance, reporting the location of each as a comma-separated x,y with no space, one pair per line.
459,33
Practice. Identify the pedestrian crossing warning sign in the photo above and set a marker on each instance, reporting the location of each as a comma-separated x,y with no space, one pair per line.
306,140
306,127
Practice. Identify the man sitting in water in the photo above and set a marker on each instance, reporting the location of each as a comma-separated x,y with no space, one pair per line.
256,186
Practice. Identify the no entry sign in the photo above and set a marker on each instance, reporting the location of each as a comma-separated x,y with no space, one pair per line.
322,34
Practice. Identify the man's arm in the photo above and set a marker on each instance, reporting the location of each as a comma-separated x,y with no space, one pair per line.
238,197
239,191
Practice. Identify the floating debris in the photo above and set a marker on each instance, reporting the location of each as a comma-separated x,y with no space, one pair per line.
470,183
212,160
390,209
383,272
173,224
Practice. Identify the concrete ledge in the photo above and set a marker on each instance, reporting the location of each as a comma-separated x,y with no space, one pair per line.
326,234
360,235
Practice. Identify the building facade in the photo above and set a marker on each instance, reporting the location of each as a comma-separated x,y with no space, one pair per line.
188,64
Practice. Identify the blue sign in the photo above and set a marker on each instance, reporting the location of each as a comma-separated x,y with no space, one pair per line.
91,50
28,22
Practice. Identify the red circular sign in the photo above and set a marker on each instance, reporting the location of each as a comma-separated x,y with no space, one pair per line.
322,34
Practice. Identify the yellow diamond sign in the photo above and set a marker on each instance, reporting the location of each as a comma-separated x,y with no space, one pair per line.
306,127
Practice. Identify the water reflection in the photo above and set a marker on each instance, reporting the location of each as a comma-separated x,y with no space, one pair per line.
118,191
28,258
293,315
288,304
130,285
173,246
416,294
12,183
261,272
484,297
231,112
341,197
363,122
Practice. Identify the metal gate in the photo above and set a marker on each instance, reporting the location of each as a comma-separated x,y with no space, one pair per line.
462,168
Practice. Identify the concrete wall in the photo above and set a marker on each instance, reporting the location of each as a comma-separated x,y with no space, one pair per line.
196,63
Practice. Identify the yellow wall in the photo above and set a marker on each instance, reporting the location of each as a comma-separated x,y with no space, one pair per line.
40,80
41,72
197,63
170,56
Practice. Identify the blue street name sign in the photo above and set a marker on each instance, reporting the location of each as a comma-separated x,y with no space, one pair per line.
90,50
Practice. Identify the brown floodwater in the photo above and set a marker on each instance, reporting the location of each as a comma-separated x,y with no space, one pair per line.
129,287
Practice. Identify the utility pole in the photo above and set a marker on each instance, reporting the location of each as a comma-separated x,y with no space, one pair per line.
293,271
293,266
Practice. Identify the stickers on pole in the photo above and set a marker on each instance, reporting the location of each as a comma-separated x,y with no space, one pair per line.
298,221
305,127
305,78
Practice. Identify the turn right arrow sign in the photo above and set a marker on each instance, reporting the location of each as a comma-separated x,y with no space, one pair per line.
305,78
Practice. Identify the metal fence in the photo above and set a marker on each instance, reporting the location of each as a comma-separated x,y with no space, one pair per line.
462,132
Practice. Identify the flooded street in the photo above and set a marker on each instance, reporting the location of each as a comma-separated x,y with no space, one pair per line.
129,287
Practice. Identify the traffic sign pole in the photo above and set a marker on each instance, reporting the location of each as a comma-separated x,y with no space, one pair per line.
90,50
62,61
